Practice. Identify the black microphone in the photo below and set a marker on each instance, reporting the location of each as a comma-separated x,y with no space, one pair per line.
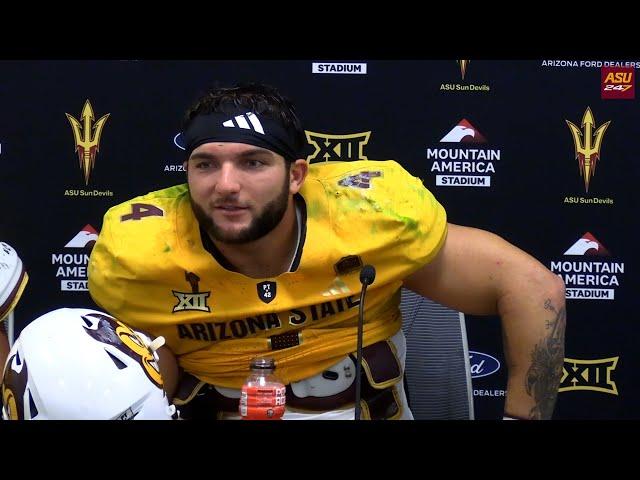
367,276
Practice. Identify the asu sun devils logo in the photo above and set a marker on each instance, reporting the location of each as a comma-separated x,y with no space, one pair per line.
587,145
463,66
195,300
87,138
337,147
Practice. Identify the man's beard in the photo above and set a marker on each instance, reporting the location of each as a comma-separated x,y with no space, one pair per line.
266,221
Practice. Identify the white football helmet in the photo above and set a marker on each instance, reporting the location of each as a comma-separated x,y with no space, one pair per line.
13,279
81,364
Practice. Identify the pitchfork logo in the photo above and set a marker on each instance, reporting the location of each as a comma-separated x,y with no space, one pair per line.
587,145
86,135
464,64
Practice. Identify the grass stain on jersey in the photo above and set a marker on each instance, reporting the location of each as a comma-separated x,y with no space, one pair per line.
314,208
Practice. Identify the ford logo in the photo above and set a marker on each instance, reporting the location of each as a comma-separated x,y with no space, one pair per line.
482,364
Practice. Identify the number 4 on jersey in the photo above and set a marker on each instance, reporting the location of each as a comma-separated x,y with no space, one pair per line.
141,210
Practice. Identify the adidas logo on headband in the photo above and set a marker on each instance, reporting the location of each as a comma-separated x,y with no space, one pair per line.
244,127
240,121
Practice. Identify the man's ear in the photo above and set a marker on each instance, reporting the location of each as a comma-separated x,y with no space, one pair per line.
297,173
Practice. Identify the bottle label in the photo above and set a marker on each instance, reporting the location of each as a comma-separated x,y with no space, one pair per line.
262,402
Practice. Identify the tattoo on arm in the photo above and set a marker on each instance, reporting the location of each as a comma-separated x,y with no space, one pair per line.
547,359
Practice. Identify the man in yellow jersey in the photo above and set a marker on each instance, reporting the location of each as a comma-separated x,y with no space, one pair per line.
259,254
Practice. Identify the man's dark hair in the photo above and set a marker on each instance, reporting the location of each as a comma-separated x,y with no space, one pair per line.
258,98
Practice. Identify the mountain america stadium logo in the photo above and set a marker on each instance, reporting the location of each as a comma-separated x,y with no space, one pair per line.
463,132
587,245
462,160
84,238
71,265
588,271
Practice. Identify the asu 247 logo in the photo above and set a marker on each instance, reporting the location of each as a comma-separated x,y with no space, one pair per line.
617,83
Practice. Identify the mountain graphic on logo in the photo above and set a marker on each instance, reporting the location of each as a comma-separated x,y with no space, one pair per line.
463,132
588,245
84,238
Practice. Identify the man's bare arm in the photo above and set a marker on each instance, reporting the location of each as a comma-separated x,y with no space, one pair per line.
479,273
169,370
4,345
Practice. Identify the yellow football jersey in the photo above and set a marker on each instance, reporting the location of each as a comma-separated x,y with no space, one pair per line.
150,270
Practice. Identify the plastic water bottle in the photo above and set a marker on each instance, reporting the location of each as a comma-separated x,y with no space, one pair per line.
263,395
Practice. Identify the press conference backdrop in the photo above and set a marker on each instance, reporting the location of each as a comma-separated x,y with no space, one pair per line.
541,152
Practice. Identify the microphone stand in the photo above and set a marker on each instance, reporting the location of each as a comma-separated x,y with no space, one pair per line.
367,276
